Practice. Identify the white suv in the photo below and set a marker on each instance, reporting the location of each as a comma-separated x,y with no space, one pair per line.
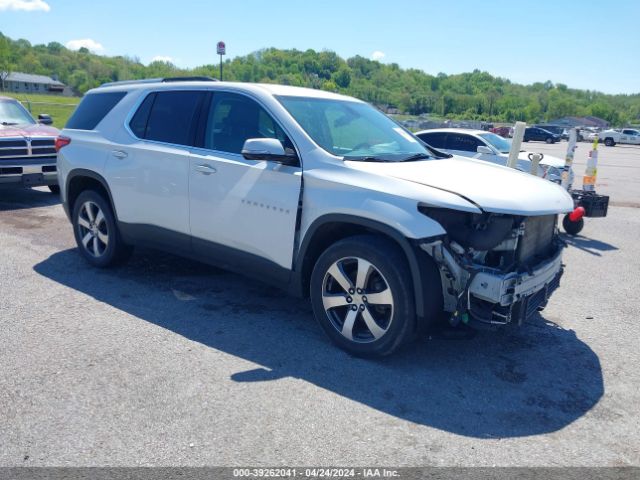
317,193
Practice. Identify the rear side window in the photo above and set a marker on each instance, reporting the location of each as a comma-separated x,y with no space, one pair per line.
138,123
168,117
436,140
92,109
461,142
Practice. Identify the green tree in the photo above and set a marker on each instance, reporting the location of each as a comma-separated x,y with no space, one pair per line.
6,66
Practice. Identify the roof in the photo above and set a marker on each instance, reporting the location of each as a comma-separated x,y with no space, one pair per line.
454,130
273,89
30,78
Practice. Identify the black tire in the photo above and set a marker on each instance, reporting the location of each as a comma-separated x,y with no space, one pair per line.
609,142
525,139
114,251
54,189
550,140
572,228
390,268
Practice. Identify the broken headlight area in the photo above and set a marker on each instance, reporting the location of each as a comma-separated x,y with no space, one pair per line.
495,269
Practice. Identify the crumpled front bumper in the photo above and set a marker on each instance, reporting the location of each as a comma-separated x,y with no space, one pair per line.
513,297
484,296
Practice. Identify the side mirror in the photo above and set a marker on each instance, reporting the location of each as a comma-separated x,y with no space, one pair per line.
45,119
484,149
269,149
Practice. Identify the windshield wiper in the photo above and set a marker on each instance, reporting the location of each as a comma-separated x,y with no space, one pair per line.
416,156
371,158
368,159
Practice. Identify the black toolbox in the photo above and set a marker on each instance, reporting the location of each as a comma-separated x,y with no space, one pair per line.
594,205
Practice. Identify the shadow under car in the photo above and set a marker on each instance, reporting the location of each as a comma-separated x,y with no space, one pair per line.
514,382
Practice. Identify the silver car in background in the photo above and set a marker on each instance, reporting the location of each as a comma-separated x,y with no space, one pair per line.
489,147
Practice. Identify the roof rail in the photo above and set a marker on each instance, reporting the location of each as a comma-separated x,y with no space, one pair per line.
160,80
190,79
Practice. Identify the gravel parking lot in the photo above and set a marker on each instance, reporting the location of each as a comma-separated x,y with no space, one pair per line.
167,362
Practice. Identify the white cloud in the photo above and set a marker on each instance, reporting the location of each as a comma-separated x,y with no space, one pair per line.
25,5
377,55
87,43
162,58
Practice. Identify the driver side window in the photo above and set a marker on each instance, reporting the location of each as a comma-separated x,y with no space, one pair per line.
235,118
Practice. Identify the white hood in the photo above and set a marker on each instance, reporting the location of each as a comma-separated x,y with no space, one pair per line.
493,188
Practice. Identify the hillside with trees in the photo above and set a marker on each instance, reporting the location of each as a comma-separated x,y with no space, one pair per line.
475,96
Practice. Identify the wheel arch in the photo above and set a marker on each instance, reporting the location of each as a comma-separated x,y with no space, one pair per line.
81,179
330,228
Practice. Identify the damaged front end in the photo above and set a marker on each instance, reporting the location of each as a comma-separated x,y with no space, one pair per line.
495,269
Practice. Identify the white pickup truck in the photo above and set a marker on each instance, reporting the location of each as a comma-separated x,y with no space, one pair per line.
626,135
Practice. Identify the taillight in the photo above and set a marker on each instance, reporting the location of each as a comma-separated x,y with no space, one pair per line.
62,142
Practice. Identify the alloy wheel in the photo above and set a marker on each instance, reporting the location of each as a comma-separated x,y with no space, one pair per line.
94,232
357,299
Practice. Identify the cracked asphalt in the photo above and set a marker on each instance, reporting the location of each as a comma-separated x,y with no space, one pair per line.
168,362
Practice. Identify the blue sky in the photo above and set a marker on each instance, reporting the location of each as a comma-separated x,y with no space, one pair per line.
573,42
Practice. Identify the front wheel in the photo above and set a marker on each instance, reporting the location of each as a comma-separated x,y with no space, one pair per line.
549,140
609,142
362,296
572,228
96,232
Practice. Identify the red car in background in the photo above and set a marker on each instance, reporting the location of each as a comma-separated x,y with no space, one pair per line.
502,131
27,147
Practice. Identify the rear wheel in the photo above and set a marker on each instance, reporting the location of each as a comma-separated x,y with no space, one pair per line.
96,232
609,142
549,140
362,295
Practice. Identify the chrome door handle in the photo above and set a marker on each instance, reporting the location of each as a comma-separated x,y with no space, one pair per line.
119,154
205,169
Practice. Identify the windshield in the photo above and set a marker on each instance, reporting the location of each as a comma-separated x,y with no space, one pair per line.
354,130
12,113
501,144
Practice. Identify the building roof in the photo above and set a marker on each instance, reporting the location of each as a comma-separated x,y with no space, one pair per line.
588,121
30,78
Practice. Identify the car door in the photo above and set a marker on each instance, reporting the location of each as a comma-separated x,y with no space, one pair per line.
629,136
149,176
242,212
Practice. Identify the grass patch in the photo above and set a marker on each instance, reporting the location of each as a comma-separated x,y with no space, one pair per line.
60,108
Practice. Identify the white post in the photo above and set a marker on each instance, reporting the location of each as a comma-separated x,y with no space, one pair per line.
590,174
516,142
568,159
535,162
